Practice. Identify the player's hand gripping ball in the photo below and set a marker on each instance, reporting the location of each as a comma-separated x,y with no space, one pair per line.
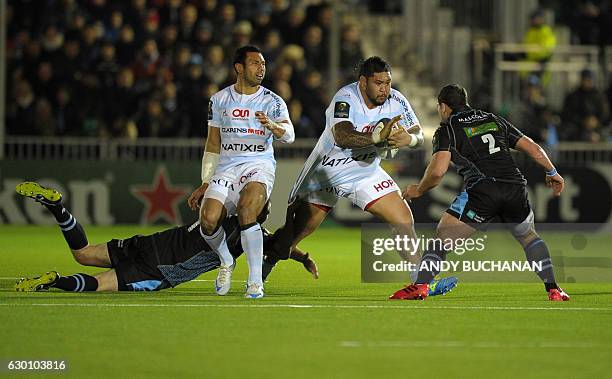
384,151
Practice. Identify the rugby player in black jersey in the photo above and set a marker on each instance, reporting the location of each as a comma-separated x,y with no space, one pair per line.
479,144
140,263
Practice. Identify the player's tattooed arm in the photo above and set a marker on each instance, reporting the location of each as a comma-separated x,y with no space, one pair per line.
348,138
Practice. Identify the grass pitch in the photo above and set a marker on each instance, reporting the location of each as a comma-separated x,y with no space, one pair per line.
334,327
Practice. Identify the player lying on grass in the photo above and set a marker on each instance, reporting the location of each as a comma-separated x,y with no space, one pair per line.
139,263
366,121
479,144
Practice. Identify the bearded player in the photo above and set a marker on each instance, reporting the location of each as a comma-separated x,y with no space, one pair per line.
366,119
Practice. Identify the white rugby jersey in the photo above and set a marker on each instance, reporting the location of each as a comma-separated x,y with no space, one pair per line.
243,138
330,165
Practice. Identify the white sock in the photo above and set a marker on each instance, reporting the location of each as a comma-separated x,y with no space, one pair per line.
219,245
252,244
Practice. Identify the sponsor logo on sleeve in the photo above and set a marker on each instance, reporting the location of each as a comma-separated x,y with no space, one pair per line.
210,111
341,109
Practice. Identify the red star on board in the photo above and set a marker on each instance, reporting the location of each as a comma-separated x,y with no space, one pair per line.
161,199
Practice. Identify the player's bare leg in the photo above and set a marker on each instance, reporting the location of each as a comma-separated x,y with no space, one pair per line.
93,255
252,201
107,281
393,210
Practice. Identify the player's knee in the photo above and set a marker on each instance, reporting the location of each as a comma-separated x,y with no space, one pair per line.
208,226
209,222
247,214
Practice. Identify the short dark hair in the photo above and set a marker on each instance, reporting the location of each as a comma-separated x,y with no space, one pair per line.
372,65
454,96
241,53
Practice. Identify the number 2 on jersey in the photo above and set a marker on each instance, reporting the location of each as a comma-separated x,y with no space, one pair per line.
488,138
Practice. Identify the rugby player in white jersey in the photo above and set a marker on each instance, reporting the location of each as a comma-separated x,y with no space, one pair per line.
346,160
238,165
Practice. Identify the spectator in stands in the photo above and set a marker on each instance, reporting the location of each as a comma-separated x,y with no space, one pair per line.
152,121
52,40
272,48
180,67
151,26
293,28
90,46
528,115
541,35
168,41
225,24
125,95
313,99
314,52
216,67
147,61
187,28
350,50
66,112
171,110
241,35
21,111
113,29
203,37
300,121
126,45
69,63
584,111
46,83
262,23
44,122
586,24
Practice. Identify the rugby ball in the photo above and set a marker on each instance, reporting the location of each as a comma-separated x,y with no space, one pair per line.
384,151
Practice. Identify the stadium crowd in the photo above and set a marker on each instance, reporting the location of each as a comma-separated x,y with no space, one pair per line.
146,68
112,68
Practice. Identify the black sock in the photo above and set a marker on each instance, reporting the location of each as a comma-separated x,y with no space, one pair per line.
266,268
432,256
57,209
537,252
76,283
72,230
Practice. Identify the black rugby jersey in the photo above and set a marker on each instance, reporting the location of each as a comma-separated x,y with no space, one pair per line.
480,144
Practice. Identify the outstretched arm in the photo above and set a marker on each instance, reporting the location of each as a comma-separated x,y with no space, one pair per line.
535,152
433,175
412,138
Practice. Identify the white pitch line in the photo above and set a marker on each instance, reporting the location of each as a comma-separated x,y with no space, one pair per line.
195,280
462,344
321,306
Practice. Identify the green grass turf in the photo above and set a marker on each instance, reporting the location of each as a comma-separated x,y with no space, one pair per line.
343,329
